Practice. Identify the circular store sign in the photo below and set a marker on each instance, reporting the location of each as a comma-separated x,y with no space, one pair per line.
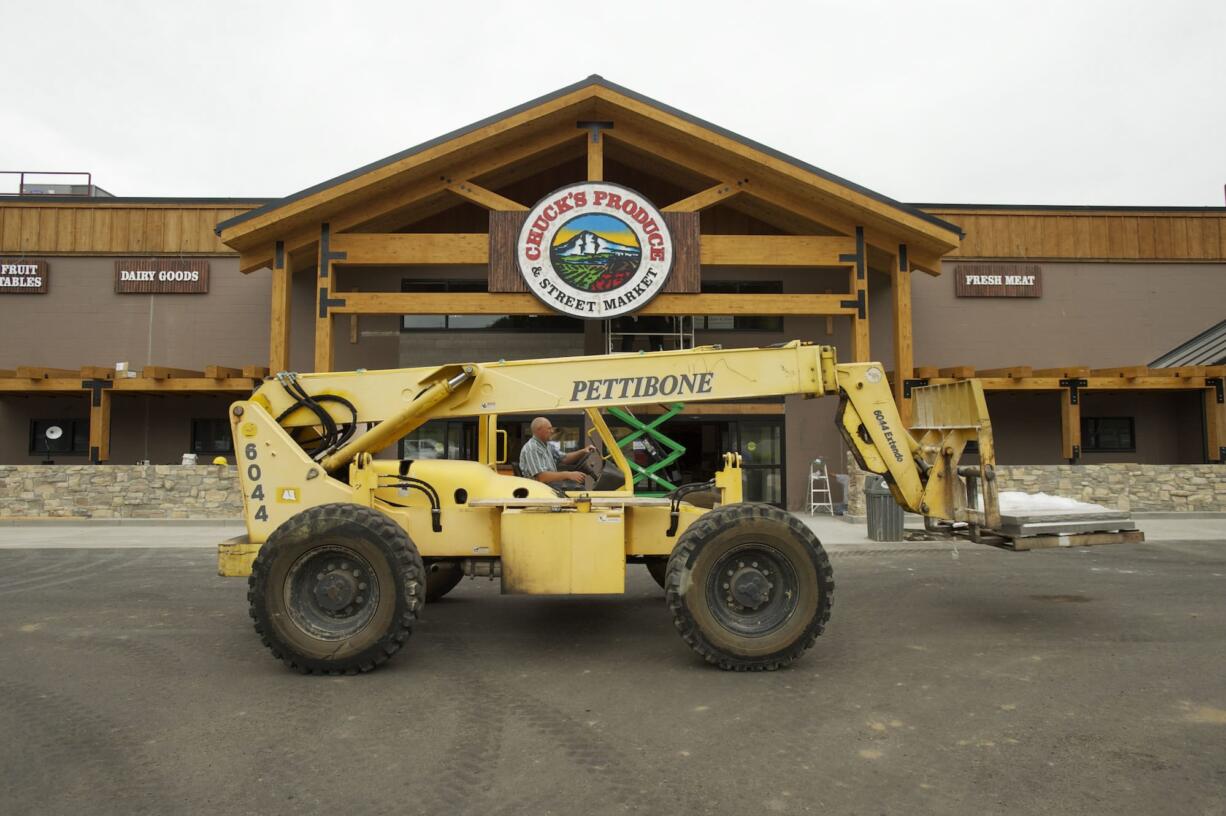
595,250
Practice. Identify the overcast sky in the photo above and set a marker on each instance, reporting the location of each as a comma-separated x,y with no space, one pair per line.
1071,102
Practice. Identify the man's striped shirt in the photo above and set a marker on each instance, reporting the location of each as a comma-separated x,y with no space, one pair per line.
538,457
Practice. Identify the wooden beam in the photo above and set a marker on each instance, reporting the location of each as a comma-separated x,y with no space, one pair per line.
524,303
216,372
774,250
24,385
1013,373
1179,371
100,426
958,372
204,385
1070,427
857,276
483,197
5,373
595,155
40,373
1127,372
397,249
1068,372
927,373
904,349
280,308
166,372
256,372
97,373
708,197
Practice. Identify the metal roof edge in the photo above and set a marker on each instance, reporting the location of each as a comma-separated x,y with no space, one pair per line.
1072,207
53,199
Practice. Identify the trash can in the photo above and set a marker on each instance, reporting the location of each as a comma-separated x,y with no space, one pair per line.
885,516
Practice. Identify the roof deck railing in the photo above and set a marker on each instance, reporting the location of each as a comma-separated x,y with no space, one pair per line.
30,182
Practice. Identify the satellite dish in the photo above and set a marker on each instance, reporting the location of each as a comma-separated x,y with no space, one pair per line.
55,432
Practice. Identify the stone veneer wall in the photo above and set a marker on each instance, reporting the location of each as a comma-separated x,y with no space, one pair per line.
119,491
1129,487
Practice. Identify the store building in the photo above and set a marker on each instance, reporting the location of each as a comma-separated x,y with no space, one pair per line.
415,260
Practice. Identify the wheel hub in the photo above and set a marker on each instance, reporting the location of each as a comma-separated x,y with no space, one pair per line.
750,588
335,591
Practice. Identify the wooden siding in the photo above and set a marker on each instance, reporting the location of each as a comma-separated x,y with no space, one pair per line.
1089,235
126,229
55,228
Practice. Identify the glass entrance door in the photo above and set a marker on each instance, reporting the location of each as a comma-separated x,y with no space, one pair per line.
760,442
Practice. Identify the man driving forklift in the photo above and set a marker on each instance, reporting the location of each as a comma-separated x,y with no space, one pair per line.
541,461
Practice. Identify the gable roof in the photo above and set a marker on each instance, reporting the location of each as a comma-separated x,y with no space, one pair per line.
639,118
1206,348
595,80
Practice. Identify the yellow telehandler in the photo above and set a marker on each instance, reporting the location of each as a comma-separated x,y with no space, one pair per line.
342,550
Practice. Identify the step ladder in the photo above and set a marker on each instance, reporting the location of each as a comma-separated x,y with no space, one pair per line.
819,489
676,334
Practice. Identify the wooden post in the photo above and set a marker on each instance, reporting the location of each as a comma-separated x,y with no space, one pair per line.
904,349
324,302
595,156
1070,425
1215,420
100,426
860,350
279,324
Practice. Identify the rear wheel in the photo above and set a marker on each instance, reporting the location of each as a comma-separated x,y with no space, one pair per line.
750,587
336,589
658,567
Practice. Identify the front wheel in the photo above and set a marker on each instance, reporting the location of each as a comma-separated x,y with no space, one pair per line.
749,586
336,589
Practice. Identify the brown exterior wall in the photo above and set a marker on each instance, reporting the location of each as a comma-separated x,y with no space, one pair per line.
82,321
1091,314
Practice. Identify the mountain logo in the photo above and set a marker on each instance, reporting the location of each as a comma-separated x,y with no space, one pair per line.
595,250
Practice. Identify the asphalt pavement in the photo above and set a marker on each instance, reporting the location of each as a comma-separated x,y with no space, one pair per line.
951,679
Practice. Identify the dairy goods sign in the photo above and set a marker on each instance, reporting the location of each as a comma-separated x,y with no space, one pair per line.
998,280
23,277
594,250
161,276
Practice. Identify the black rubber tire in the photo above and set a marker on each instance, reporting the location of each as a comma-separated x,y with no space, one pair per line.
658,567
692,576
441,578
334,532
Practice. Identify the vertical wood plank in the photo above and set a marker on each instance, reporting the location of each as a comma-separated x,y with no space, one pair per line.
1098,237
29,230
11,239
1212,238
503,270
1034,237
1128,246
686,277
48,225
279,318
904,349
595,156
1179,237
173,231
1070,427
154,232
1215,427
1146,238
1196,234
323,316
1066,232
1115,237
1081,233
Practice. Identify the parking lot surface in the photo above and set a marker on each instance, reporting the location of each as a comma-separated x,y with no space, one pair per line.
949,681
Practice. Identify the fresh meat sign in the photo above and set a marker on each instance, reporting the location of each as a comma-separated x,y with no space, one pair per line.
595,251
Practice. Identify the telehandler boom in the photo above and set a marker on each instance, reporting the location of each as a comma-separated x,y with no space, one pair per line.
343,550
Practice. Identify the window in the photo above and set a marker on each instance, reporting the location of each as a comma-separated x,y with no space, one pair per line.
764,323
72,439
1108,434
545,322
212,436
